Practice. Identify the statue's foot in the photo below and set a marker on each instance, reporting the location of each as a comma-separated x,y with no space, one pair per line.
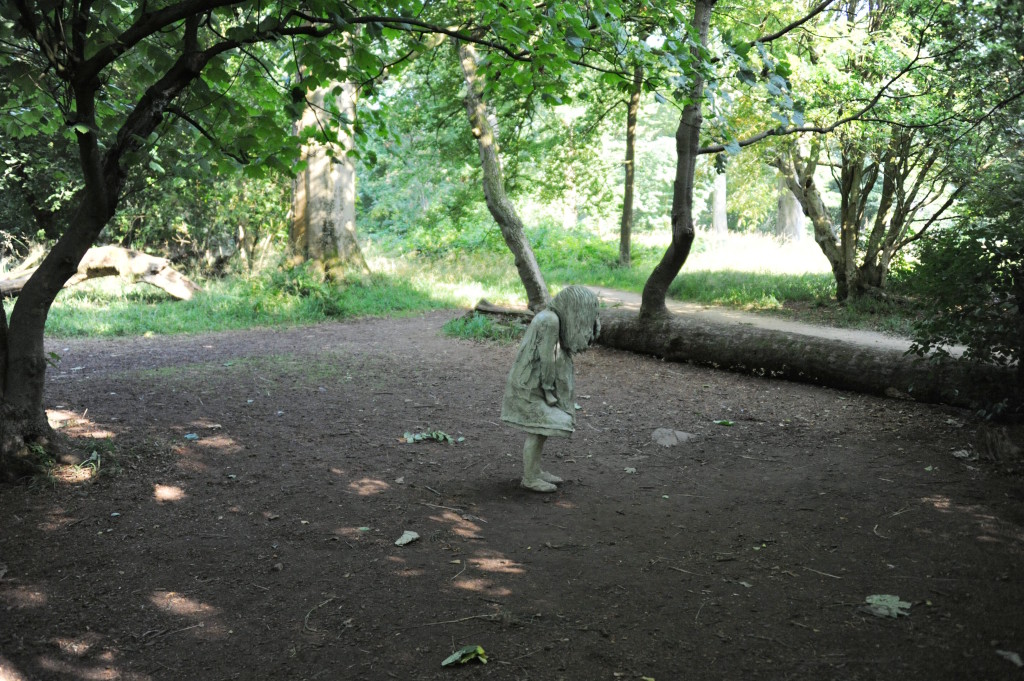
548,477
538,485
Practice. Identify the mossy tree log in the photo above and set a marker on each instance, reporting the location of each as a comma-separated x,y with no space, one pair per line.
811,359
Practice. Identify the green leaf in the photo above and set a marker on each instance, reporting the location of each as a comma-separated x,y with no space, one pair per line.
886,605
466,654
724,422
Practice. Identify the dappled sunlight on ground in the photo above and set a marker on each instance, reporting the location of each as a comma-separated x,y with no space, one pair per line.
993,529
353,533
368,486
482,586
23,597
87,672
76,425
80,646
168,493
175,604
495,562
8,672
460,526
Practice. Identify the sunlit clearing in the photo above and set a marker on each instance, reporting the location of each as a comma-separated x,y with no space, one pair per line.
758,253
176,604
368,486
166,493
483,586
23,597
497,564
8,672
460,525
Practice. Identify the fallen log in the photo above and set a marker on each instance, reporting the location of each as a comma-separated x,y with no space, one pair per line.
106,261
485,306
822,361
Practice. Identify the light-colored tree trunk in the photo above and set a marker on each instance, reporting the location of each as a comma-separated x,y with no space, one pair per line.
323,226
498,203
789,222
719,216
626,225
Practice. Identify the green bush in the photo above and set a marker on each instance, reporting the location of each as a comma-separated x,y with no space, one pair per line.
970,277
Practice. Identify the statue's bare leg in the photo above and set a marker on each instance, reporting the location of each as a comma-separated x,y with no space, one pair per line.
533,477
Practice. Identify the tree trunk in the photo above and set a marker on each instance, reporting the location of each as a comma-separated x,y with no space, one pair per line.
719,214
632,112
821,361
687,144
22,416
799,177
323,225
789,223
498,203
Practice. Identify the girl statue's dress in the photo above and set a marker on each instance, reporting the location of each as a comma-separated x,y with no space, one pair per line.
540,393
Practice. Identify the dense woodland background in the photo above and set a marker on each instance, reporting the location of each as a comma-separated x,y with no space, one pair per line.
854,162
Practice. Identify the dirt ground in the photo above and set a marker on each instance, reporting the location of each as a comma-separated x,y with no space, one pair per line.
252,487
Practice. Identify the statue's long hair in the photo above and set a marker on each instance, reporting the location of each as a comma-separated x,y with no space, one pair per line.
579,324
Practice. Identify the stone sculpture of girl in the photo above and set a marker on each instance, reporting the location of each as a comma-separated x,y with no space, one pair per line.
540,395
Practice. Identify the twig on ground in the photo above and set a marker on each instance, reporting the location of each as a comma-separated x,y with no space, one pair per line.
490,618
305,620
678,569
432,490
698,612
819,572
877,533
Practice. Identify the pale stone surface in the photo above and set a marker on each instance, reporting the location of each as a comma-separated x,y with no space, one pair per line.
667,437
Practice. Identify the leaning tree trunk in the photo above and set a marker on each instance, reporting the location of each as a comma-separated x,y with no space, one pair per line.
632,112
799,178
22,416
687,144
498,203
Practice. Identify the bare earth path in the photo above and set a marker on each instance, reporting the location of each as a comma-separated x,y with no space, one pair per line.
253,485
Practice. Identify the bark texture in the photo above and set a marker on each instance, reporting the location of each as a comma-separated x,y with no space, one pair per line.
687,144
498,203
106,261
626,225
323,225
821,361
789,221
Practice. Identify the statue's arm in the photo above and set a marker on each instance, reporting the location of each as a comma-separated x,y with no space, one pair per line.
547,337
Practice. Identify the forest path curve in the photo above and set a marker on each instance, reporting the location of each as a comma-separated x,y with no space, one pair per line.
628,300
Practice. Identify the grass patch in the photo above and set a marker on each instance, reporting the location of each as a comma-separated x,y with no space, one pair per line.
110,307
751,290
479,327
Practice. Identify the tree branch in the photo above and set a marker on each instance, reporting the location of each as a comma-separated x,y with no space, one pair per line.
796,24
